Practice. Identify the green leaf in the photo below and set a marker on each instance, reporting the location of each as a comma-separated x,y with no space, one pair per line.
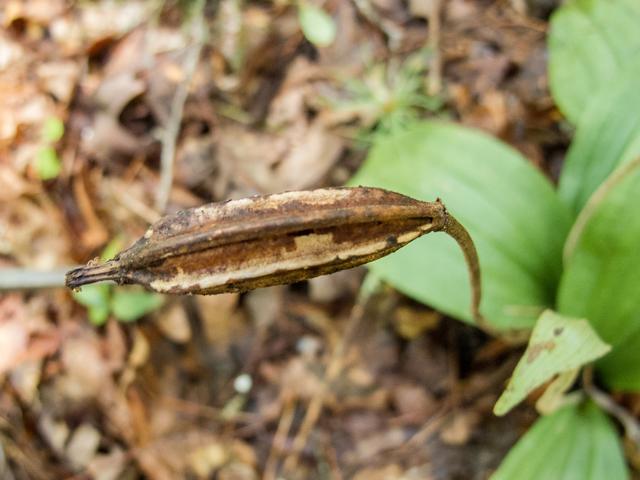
608,135
96,298
557,344
577,442
602,281
128,306
53,129
590,43
47,163
93,295
98,314
317,26
511,211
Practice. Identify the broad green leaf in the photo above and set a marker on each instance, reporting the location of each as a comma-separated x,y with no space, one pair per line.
602,281
608,135
317,26
557,344
47,163
577,442
128,306
590,43
511,211
621,370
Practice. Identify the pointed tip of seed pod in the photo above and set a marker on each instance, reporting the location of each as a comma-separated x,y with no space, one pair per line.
91,273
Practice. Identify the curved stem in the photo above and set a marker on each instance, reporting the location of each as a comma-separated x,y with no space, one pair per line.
455,230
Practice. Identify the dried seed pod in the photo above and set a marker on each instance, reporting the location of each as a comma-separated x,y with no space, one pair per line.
257,242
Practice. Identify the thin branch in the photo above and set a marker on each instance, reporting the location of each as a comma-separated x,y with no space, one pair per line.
330,456
280,438
393,32
628,421
30,279
172,129
335,367
431,427
435,63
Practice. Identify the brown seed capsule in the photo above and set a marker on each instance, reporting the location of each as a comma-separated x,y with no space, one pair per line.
257,242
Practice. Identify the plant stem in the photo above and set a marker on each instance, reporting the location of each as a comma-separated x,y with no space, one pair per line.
172,129
455,230
628,421
30,279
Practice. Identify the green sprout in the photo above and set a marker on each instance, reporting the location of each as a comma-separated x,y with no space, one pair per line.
317,26
389,99
103,299
47,162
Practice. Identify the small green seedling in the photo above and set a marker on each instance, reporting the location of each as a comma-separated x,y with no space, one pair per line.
126,304
47,162
317,26
387,98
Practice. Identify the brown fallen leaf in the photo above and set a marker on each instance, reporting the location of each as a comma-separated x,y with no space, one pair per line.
276,239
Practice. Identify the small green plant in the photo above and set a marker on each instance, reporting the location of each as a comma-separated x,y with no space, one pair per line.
388,98
317,26
47,162
126,304
562,262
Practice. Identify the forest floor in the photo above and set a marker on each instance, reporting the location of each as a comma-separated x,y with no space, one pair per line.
397,391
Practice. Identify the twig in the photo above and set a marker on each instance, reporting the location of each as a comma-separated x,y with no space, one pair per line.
431,427
330,456
628,422
96,234
5,469
393,32
119,192
30,279
334,369
280,438
435,63
206,411
172,129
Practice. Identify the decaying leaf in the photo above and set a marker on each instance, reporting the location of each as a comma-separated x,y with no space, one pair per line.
276,239
558,345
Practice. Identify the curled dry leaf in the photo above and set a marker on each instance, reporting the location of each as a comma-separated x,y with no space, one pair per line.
276,239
